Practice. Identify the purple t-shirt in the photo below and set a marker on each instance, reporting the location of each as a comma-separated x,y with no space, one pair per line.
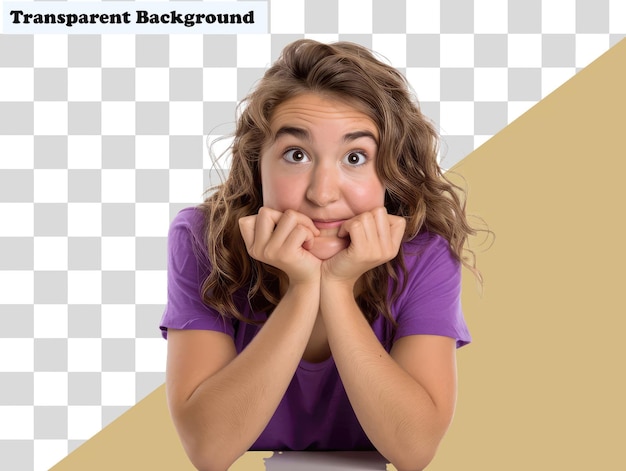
315,413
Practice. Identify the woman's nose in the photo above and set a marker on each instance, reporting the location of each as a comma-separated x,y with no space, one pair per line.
323,186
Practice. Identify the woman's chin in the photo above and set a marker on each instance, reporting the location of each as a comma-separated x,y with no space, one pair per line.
327,247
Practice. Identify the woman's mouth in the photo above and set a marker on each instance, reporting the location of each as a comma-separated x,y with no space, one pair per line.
328,224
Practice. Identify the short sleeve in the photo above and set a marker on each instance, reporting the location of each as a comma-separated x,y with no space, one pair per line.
186,269
431,301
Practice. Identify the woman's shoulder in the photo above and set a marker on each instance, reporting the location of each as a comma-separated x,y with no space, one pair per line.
187,233
428,254
190,221
425,245
191,218
430,302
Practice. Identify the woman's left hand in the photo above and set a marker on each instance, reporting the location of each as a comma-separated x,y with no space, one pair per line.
375,238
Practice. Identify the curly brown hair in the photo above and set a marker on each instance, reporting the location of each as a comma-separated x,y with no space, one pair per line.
406,164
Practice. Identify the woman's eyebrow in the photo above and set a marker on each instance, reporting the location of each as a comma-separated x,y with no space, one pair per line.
299,133
351,136
304,135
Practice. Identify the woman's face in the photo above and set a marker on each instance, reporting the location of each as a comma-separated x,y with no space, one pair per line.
320,162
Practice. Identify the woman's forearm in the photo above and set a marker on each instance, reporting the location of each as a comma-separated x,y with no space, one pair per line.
227,412
395,411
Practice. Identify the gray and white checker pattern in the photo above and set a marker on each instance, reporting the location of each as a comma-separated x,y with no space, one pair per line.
103,139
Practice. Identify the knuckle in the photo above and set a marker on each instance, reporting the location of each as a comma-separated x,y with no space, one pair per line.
290,215
300,230
382,211
356,224
399,220
266,213
246,222
267,253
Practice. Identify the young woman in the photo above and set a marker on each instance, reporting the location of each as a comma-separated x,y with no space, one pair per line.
314,297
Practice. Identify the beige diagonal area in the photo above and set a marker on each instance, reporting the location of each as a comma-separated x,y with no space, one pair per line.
143,438
542,386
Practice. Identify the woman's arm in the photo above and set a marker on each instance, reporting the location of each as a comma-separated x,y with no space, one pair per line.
220,401
403,400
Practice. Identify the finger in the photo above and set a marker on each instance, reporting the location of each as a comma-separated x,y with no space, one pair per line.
310,237
383,227
264,228
272,219
299,218
270,214
369,221
355,228
288,222
308,244
247,227
267,219
272,228
397,228
351,226
294,231
371,227
299,238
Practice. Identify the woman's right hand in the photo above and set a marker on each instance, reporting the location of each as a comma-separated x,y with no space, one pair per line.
282,240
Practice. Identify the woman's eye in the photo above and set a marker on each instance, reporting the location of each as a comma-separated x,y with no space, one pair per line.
295,156
355,158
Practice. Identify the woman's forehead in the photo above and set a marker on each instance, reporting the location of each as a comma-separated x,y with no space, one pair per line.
312,109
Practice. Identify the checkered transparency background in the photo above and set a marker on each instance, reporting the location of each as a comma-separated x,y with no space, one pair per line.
103,138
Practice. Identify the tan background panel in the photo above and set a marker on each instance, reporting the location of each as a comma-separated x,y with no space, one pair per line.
142,438
542,386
